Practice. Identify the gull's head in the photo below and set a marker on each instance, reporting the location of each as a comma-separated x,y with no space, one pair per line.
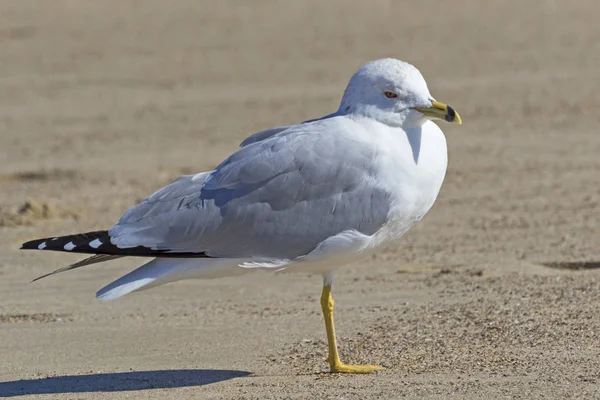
395,93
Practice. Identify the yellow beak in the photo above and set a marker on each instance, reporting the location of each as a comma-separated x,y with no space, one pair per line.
440,111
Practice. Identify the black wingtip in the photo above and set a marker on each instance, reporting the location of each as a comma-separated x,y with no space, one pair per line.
78,243
33,244
99,242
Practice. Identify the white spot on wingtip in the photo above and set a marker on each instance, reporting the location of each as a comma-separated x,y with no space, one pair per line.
95,243
69,246
42,246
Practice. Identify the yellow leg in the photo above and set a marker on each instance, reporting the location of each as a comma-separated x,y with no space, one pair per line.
335,365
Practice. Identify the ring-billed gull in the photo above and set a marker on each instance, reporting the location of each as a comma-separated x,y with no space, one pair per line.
306,197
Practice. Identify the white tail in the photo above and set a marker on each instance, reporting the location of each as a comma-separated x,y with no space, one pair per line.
164,270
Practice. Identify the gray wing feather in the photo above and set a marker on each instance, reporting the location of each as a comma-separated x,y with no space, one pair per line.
278,197
267,133
262,135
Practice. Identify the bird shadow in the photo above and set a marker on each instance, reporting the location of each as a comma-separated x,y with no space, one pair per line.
573,265
118,381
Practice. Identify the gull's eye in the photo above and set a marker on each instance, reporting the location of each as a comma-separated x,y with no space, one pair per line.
390,95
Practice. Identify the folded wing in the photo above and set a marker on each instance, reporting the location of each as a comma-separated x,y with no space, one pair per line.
277,197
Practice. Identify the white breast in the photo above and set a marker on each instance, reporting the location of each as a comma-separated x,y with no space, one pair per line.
412,166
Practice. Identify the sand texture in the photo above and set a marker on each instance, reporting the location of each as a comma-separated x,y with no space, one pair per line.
495,294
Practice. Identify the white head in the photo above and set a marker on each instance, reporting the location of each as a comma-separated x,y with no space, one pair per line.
395,93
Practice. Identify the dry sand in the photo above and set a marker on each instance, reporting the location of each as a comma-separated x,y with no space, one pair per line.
495,294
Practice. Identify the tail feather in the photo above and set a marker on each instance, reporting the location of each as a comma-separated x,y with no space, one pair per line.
164,270
98,258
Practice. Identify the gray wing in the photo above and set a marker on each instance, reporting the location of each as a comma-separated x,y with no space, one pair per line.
278,197
267,133
262,135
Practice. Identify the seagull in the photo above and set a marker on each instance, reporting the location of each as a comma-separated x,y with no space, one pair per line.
310,197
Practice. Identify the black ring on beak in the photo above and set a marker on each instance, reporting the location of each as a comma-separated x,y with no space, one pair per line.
450,114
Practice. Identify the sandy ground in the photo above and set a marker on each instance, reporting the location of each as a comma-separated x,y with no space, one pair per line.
495,294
